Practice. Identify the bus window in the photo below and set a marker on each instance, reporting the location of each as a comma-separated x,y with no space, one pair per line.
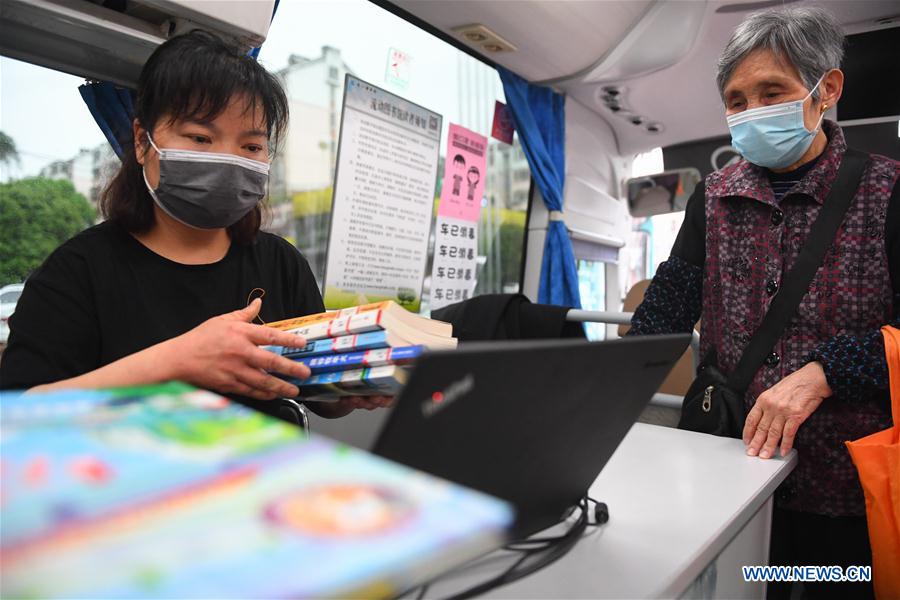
54,161
651,237
592,289
311,46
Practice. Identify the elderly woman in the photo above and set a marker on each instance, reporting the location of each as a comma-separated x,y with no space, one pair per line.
826,379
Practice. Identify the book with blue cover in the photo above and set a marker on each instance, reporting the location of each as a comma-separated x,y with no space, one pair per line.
172,492
328,363
376,372
345,343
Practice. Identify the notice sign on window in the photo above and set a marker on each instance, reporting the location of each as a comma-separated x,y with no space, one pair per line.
383,199
453,272
503,128
397,70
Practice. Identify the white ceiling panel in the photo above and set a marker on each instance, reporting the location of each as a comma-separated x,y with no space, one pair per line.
555,38
683,98
571,42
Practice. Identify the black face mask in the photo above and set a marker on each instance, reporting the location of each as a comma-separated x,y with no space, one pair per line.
207,190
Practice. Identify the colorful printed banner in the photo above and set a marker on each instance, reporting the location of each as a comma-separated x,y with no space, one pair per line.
170,492
464,174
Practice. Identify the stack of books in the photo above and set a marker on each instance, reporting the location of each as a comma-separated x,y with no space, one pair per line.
361,351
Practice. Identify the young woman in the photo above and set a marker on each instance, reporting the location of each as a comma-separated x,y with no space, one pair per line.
162,289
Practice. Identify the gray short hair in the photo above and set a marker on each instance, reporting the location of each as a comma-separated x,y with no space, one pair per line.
809,37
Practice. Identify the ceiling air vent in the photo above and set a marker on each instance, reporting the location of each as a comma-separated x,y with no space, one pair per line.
888,20
483,38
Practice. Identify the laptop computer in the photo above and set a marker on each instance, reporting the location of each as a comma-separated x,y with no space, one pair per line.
530,422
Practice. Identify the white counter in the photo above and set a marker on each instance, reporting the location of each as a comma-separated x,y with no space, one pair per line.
681,504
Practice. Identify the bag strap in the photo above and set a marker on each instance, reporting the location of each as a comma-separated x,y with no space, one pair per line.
795,285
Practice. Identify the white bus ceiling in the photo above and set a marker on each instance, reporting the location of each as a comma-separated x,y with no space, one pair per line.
660,55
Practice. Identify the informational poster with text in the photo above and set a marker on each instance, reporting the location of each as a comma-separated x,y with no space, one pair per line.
383,199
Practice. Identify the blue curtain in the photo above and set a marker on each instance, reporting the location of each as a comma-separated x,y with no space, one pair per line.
113,107
539,117
254,52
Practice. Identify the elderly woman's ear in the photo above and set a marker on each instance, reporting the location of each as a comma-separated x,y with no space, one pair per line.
832,86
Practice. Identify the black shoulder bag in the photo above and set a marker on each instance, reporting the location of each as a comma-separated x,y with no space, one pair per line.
715,403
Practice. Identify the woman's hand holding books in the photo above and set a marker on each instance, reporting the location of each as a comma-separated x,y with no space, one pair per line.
224,354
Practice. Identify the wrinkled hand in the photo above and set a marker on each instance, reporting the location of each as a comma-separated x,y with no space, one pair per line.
781,409
223,354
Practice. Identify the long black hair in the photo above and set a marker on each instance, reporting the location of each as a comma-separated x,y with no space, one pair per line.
194,76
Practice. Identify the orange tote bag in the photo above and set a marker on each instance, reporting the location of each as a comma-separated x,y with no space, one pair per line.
877,459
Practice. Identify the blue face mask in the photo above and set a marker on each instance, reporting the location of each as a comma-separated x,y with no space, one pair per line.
773,136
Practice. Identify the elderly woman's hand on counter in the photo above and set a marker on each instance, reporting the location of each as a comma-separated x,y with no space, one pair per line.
781,410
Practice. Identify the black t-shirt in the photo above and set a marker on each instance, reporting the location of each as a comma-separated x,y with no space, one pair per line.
103,295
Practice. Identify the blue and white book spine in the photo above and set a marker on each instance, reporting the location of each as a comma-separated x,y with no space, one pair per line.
356,360
344,343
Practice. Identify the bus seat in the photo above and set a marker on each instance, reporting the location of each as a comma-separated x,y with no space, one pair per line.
507,317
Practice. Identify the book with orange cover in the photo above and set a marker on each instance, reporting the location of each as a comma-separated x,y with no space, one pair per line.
388,316
303,321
